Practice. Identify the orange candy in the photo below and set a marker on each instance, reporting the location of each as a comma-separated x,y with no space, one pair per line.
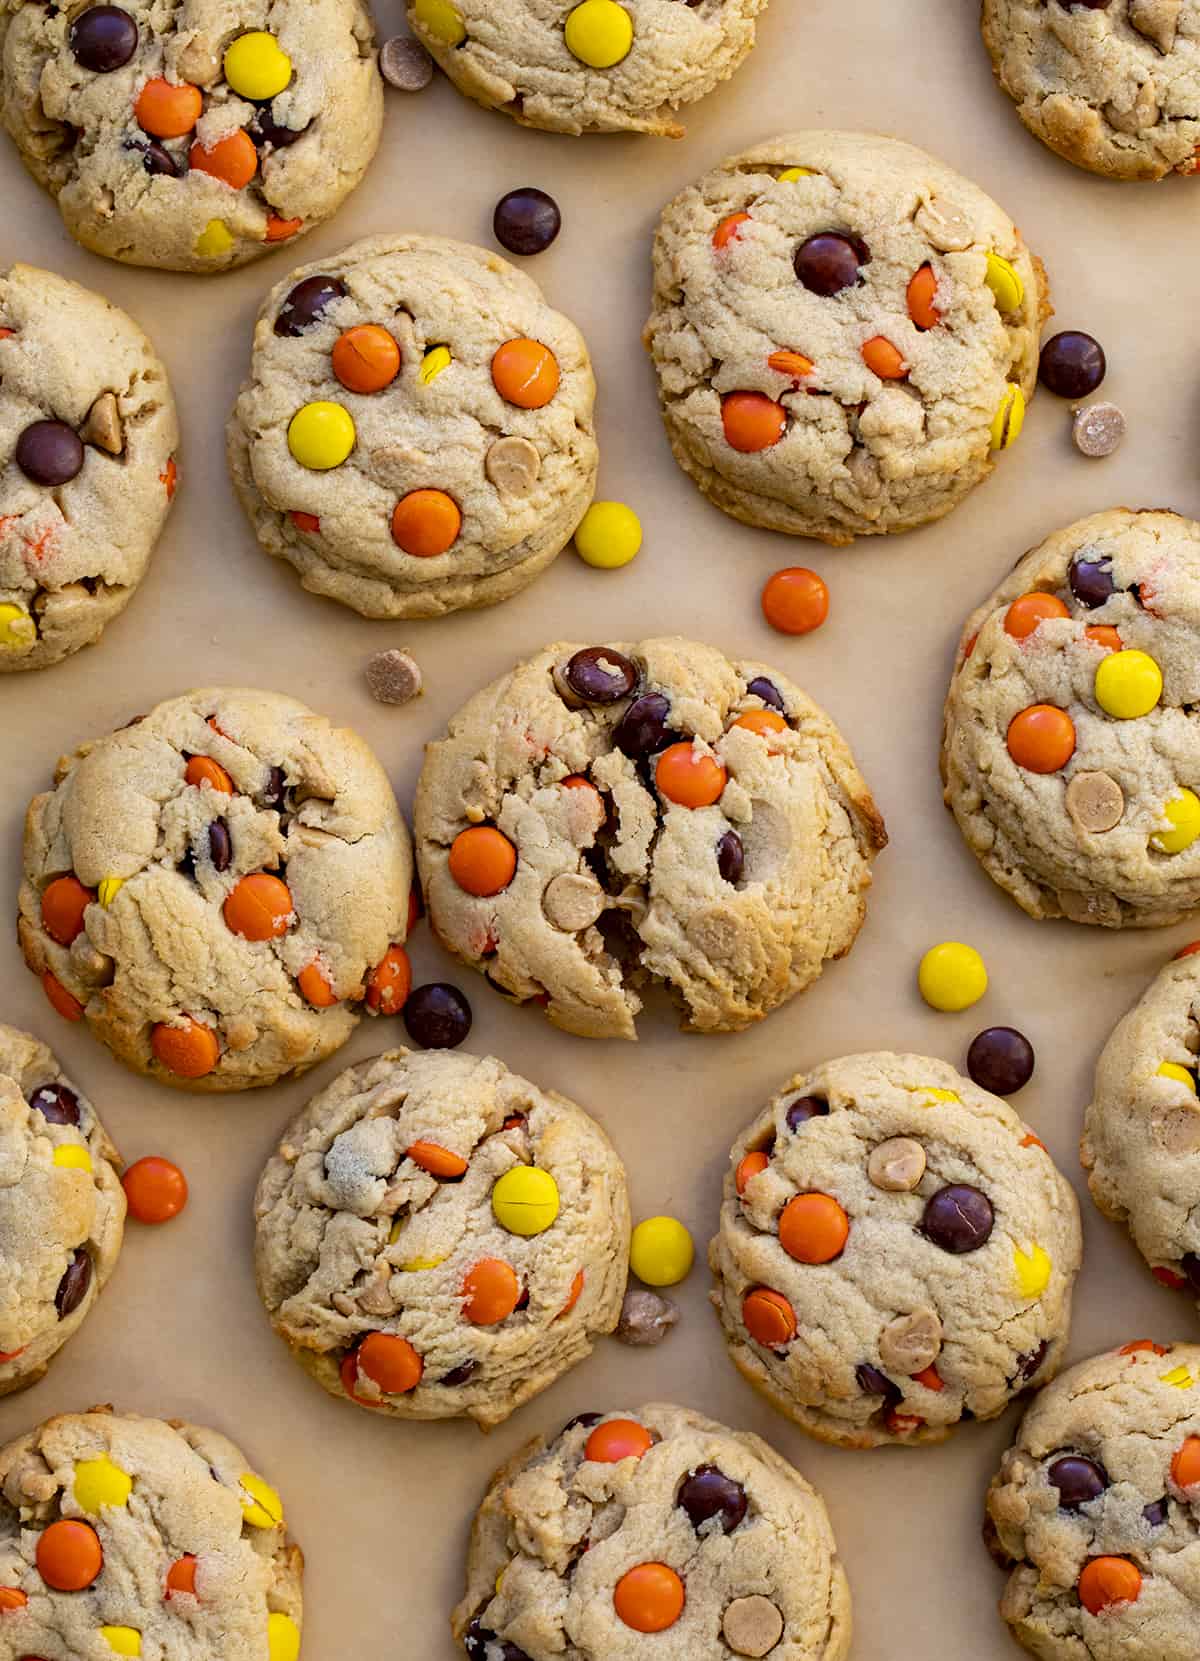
525,373
438,1161
204,770
1189,950
69,1556
1027,611
315,988
749,1166
795,600
61,1000
156,1190
1032,1141
768,1317
763,722
188,1051
573,1296
492,1291
883,359
6,334
390,1362
233,160
752,421
1041,738
12,1597
165,110
389,982
728,229
813,1228
922,289
366,358
617,1439
280,230
305,521
688,778
1103,634
650,1597
482,860
1109,1580
931,1379
170,478
426,523
793,364
181,1576
1185,1466
258,907
1140,1344
64,902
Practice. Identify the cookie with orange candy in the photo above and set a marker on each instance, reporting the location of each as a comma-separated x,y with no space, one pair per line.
1095,1507
652,1522
1071,746
415,435
609,815
122,1535
219,889
439,1238
896,1252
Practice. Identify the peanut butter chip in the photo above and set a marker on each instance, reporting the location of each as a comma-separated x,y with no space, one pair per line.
198,63
573,902
393,677
1098,429
646,1319
947,229
513,465
404,63
911,1342
752,1626
1158,20
1178,1130
103,425
897,1164
1095,801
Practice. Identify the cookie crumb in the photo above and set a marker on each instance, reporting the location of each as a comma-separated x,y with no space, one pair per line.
646,1319
394,677
1098,429
404,63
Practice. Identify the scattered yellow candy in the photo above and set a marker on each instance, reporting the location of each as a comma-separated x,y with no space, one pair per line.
933,1092
123,1640
1128,684
416,1264
525,1200
17,627
108,890
1184,813
661,1252
1033,1271
1172,1069
791,173
261,1505
257,67
440,19
283,1638
1178,1376
1004,280
321,435
435,360
98,1482
214,240
500,1579
72,1157
599,33
609,536
952,976
1009,418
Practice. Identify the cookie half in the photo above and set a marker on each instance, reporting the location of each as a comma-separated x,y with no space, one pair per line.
896,1252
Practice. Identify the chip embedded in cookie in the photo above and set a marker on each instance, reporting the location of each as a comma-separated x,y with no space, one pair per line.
1093,1509
609,815
218,888
1071,750
845,333
416,434
923,1212
438,1238
187,134
655,1521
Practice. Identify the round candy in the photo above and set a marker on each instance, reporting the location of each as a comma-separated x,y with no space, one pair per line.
437,1016
731,857
829,262
525,373
952,976
599,675
599,33
1041,738
762,722
64,902
1091,581
261,1505
201,770
307,303
1183,811
920,296
283,1637
795,600
390,982
232,159
390,1362
442,20
491,1291
813,1228
1128,684
1077,1479
69,1557
98,1482
156,1189
482,860
728,229
17,627
73,1287
650,1597
752,421
189,1049
1004,280
661,1251
617,1439
259,907
608,536
1071,364
958,1218
61,1001
49,452
426,523
1028,610
366,358
525,1200
1185,1464
805,1108
884,359
526,221
167,110
321,435
103,38
707,1493
1109,1580
768,1317
257,67
1009,417
1000,1059
643,728
688,777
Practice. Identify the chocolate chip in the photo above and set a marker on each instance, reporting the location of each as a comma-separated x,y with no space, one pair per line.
646,1319
266,130
1098,429
72,1288
460,1374
220,845
731,857
405,64
437,1016
958,1218
1000,1060
1077,1479
1031,1364
1091,581
526,221
586,1420
49,452
1071,364
707,1493
104,38
482,1645
306,303
599,675
273,794
874,1383
829,262
805,1108
1155,1513
157,159
761,687
56,1103
643,727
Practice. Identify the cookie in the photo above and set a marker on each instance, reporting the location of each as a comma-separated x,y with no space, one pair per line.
136,1536
657,1522
896,1252
181,133
217,888
416,433
438,1238
1094,1510
594,67
62,1209
845,333
1071,747
606,816
88,435
1112,85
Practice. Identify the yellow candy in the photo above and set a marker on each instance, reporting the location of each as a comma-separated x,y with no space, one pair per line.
1178,1376
500,1579
435,360
1172,1069
98,1482
321,436
214,240
108,890
1033,1271
932,1091
1128,684
1009,418
599,33
123,1640
72,1157
609,536
952,976
416,1264
283,1638
1184,813
791,173
256,66
1004,280
16,627
661,1252
440,19
261,1505
525,1200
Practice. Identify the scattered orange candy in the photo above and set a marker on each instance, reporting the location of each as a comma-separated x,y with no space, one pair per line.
305,521
6,334
12,1597
188,1051
1168,1277
689,778
1189,950
1028,610
931,1379
525,373
1041,738
426,523
769,1318
281,230
258,907
752,421
69,1556
11,1355
1185,1466
762,722
204,770
165,110
728,229
795,600
749,1166
1032,1141
181,1576
64,902
1109,1580
61,1000
813,1228
389,982
573,1296
366,358
482,860
492,1291
315,988
390,1362
438,1161
1103,634
233,159
155,1189
617,1439
170,478
794,364
1140,1344
922,288
649,1598
883,359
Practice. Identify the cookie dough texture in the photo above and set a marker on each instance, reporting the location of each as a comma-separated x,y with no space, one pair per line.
78,134
1128,1411
556,1532
859,455
57,1220
71,556
1065,844
191,1493
356,1237
988,1321
425,431
615,886
309,804
512,55
1114,88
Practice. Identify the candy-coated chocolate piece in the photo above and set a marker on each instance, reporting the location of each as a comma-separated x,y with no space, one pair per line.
49,453
829,262
17,627
1029,610
525,1200
642,729
232,159
921,296
436,361
426,523
525,373
56,1103
795,600
952,976
214,240
64,903
1185,1465
73,1287
661,1251
1128,685
1071,364
958,1218
813,1228
155,1188
1041,738
365,358
749,1166
1033,1270
491,1291
599,33
1004,280
165,109
608,536
68,1555
61,1001
103,38
728,228
107,890
12,1597
1000,1059
803,1109
256,66
259,907
201,770
1091,580
283,1637
617,1439
1078,1480
187,1048
884,359
1183,812
261,1505
526,221
1009,417
442,20
389,982
1182,1075
731,857
482,860
440,1162
307,303
689,777
437,1016
708,1495
768,1317
99,1482
752,421
321,435
122,1640
649,1597
599,675
72,1156
1106,1581
763,723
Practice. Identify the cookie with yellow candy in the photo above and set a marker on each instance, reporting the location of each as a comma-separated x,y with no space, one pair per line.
131,1536
927,1216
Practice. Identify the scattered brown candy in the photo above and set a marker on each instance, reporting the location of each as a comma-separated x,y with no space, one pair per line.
1095,801
911,1342
103,426
897,1164
752,1626
573,901
646,1319
1098,429
405,63
513,465
393,677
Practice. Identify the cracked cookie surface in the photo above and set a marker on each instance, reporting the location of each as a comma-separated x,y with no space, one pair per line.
896,1252
62,1209
389,1256
1094,1510
1071,749
132,1536
470,454
216,887
845,332
576,1536
605,816
88,434
163,150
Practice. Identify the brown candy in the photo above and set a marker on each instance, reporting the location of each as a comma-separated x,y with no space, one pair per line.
404,63
897,1164
752,1626
1095,801
911,1342
394,677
